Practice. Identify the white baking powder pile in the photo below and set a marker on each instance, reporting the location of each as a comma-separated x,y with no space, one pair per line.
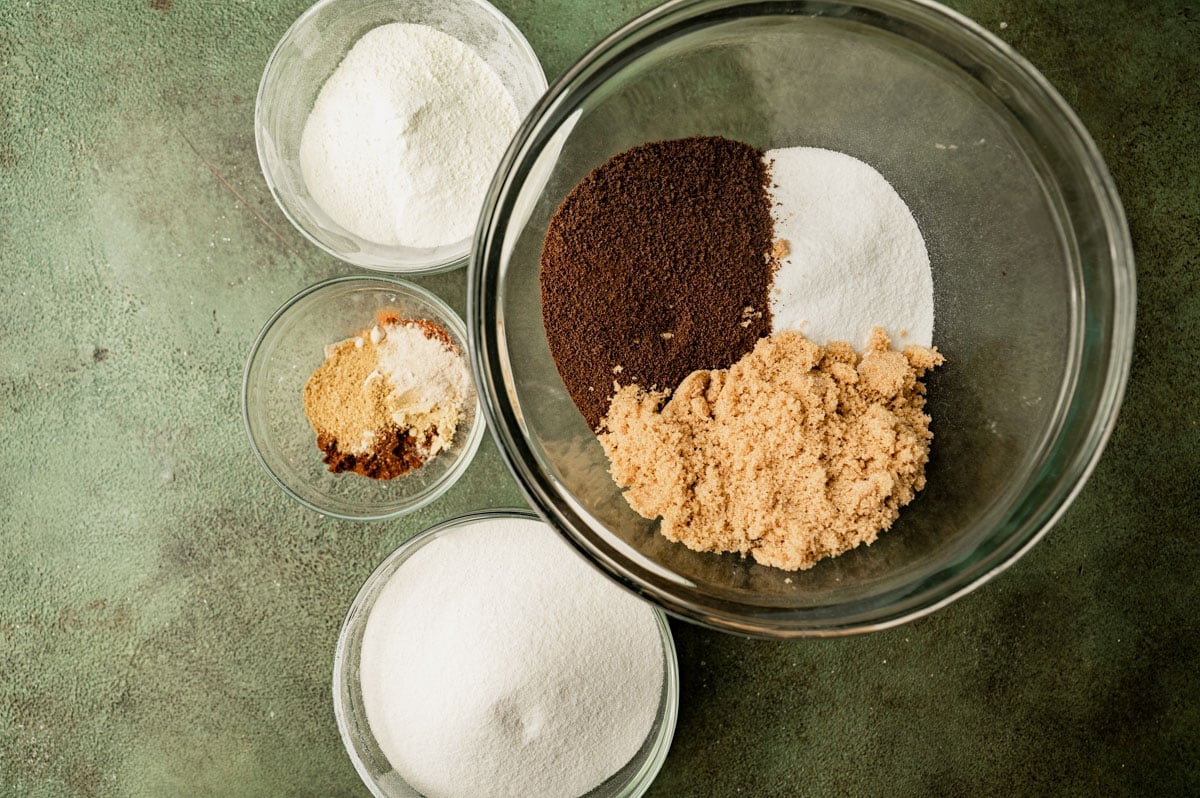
404,137
495,662
430,382
856,259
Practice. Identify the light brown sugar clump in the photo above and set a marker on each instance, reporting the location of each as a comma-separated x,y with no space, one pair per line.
795,453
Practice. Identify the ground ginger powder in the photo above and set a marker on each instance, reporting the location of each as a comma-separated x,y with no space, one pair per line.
795,453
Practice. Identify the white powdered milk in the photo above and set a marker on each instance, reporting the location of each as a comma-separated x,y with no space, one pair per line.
403,138
496,662
856,258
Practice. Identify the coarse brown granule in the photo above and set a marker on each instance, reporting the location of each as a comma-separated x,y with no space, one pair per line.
649,262
393,454
796,453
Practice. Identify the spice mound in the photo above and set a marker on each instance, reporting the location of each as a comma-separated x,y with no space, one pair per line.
796,453
389,399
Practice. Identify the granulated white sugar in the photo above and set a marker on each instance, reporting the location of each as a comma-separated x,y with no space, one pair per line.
855,256
496,662
404,137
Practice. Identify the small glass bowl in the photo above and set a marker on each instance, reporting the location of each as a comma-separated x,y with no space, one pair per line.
373,767
290,348
309,52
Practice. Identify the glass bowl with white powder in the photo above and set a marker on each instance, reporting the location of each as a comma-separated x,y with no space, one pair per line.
485,657
380,123
928,180
294,344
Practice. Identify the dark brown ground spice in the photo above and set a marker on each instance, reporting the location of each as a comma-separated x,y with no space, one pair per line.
396,453
657,264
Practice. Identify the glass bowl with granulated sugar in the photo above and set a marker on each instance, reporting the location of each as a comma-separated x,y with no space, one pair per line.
358,399
379,124
925,181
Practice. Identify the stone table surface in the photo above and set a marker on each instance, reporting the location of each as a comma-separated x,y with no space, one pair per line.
167,616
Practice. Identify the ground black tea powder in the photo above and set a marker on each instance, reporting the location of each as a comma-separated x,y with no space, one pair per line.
657,264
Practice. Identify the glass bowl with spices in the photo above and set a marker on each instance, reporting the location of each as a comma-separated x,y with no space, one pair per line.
802,319
379,125
358,399
485,657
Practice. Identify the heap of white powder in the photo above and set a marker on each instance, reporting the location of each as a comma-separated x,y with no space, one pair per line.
404,137
429,381
855,260
496,662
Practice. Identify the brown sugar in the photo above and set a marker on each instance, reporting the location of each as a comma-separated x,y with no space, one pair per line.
795,453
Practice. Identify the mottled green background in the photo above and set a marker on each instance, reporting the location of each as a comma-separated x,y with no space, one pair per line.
167,616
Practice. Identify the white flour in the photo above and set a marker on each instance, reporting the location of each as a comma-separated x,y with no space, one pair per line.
404,137
856,258
497,663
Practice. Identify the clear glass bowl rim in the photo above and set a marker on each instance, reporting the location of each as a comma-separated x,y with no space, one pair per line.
645,775
464,456
920,598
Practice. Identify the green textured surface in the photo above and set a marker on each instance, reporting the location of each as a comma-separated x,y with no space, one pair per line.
167,616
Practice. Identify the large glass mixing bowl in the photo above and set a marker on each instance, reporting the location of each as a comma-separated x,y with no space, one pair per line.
1033,287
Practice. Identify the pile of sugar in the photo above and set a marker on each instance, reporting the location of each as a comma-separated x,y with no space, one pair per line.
796,453
496,662
855,258
404,137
